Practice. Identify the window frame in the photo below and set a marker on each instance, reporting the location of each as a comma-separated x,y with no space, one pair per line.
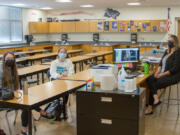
10,28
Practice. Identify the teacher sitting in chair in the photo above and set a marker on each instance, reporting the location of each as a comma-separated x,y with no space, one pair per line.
168,73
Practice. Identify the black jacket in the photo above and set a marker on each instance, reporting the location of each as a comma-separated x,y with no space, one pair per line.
173,65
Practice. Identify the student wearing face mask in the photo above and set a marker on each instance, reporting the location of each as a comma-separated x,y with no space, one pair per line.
8,72
9,79
168,73
60,68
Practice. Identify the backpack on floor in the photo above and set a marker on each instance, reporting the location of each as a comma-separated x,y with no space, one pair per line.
55,108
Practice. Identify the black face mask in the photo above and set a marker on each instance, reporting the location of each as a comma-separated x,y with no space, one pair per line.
10,63
170,44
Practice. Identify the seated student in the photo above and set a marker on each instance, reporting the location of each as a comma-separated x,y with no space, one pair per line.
9,79
62,67
168,73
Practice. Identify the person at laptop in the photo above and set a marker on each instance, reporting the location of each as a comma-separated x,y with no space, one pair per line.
60,68
168,73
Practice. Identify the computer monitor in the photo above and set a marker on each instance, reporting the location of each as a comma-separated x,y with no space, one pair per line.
126,55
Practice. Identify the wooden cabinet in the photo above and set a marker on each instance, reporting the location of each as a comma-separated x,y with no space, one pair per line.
159,26
2,51
38,27
37,47
82,26
68,27
96,26
18,49
55,27
144,49
87,48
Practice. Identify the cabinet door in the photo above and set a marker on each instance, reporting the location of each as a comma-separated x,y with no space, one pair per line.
55,27
68,27
96,26
32,28
44,27
38,27
82,26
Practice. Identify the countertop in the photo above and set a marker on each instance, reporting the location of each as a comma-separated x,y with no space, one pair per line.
58,43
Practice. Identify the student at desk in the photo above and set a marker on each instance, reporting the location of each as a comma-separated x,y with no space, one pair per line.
62,67
168,73
9,79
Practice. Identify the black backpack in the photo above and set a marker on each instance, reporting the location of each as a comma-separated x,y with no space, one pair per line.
55,108
6,94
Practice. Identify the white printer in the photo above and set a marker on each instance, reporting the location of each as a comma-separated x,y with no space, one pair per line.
103,69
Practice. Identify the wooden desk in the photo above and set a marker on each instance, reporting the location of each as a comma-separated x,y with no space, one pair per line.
48,55
75,60
41,56
34,52
71,52
23,60
40,95
100,54
80,60
31,70
86,74
80,76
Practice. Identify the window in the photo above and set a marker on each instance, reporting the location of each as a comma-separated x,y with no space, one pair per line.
10,24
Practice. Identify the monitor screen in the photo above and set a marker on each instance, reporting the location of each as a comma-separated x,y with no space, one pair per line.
126,55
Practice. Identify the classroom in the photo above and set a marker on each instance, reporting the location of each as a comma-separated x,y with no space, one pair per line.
89,67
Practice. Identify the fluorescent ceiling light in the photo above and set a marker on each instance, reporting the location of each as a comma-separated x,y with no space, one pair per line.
134,4
63,1
18,5
87,6
46,8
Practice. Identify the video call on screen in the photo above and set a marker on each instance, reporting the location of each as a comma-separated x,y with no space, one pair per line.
126,55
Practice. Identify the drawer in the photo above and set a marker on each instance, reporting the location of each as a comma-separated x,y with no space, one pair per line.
106,126
114,105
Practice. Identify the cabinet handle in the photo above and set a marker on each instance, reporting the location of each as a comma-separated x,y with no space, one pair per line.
106,121
106,99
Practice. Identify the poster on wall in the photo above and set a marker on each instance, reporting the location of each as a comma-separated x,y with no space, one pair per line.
122,26
132,23
100,26
114,26
163,26
106,26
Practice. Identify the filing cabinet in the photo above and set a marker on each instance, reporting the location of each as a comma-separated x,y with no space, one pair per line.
110,112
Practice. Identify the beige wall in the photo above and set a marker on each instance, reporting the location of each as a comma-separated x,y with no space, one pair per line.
33,15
